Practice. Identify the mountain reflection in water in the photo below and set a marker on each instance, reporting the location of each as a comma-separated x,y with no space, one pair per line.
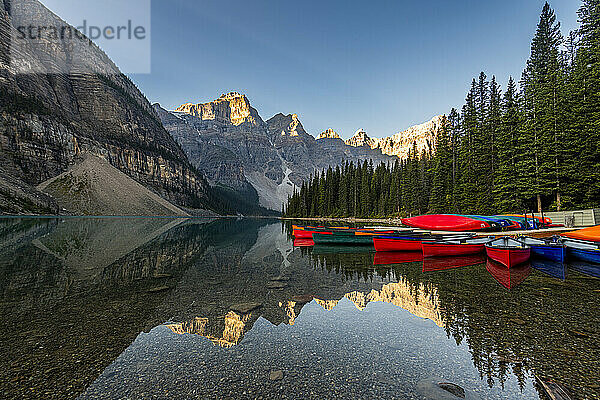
84,299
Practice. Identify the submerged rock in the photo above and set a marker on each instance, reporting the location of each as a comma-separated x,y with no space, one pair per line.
440,389
452,389
276,375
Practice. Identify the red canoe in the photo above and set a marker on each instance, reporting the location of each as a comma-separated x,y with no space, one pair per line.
393,244
449,249
508,252
444,222
307,234
509,278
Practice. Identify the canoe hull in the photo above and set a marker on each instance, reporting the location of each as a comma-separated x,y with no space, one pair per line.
304,234
553,253
453,223
590,256
451,250
509,257
345,239
590,234
386,244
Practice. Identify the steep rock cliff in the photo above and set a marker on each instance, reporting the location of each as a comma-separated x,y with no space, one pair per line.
49,120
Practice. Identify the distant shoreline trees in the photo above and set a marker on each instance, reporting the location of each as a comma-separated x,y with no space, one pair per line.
531,147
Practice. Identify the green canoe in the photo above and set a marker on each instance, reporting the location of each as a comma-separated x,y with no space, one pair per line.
342,239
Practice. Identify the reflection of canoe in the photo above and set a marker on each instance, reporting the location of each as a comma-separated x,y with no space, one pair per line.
508,252
586,268
550,250
450,248
400,257
508,277
303,243
553,268
444,222
320,249
442,263
591,234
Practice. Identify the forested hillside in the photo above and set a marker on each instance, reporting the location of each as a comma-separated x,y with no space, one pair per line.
530,146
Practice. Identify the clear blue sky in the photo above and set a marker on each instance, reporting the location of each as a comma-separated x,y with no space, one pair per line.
378,65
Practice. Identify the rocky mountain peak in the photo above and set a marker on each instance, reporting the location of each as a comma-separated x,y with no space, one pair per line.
422,136
286,125
361,138
329,134
231,96
231,107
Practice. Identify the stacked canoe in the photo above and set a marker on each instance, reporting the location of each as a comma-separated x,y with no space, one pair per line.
473,223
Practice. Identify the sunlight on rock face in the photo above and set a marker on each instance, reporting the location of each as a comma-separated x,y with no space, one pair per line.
329,134
420,304
225,332
231,108
290,311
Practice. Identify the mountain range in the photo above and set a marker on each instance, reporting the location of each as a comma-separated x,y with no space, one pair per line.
234,147
83,139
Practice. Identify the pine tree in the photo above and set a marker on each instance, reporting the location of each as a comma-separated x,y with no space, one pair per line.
441,173
584,116
467,155
507,184
494,124
541,92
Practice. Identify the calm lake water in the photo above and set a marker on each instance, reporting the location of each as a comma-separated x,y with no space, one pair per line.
196,308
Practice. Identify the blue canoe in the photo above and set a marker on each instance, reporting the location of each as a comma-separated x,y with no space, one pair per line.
552,268
526,223
503,222
548,249
590,256
583,250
